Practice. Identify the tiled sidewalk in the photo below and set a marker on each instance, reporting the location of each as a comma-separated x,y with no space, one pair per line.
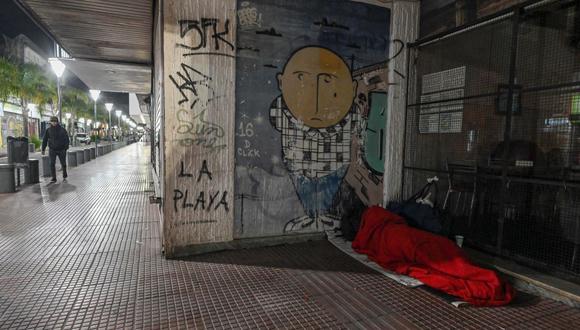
86,254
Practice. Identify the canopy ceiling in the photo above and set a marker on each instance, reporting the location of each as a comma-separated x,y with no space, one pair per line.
103,36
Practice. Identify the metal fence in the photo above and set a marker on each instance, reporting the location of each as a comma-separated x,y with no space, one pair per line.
510,179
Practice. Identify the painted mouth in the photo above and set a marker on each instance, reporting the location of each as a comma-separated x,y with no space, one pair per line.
315,118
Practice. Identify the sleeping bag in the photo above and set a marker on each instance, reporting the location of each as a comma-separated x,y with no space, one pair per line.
434,260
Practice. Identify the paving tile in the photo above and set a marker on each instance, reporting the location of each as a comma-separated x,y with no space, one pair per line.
86,255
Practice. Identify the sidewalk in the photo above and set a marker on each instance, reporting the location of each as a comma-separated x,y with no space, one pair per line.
38,155
86,253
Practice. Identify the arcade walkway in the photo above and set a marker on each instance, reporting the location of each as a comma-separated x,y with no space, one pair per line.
86,254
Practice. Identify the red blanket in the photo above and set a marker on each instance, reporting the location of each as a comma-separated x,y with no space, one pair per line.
434,260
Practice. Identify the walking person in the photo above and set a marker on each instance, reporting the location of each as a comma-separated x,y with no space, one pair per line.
58,142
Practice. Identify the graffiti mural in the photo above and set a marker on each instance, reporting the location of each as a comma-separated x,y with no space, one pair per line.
311,102
12,125
316,118
365,174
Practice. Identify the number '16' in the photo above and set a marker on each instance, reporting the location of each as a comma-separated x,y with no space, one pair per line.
246,130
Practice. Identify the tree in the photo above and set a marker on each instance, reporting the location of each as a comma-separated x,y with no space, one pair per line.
8,77
32,87
75,102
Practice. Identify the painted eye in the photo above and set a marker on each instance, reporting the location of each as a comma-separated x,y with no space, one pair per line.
301,76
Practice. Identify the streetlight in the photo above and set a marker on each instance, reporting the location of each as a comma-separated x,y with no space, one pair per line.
118,113
58,68
68,115
109,107
95,96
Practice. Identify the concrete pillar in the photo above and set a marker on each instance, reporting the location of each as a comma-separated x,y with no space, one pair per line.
404,29
198,169
31,173
46,166
80,157
72,158
7,180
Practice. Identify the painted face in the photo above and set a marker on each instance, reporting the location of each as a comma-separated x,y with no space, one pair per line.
317,87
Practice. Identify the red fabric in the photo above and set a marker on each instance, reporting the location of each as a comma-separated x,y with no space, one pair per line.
434,260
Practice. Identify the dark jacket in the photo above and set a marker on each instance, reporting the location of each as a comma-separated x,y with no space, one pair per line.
56,137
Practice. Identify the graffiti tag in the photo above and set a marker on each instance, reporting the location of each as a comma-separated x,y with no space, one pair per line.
199,131
200,37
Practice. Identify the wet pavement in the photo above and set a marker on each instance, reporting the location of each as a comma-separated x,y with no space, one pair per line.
86,254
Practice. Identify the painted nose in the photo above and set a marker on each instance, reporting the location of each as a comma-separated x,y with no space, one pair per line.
318,82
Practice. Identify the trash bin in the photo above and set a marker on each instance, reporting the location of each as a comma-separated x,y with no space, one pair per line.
7,181
87,154
93,153
31,147
17,150
31,173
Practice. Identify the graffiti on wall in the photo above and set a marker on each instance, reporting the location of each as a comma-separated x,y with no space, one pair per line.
311,109
316,119
207,36
198,131
365,174
12,125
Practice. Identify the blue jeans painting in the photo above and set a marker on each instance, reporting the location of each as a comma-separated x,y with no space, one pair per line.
317,194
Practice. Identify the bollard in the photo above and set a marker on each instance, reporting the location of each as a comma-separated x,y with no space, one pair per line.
87,154
7,181
72,158
80,157
45,166
31,173
17,148
92,152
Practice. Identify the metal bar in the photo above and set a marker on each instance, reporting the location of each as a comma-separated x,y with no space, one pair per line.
504,14
457,99
405,121
522,91
484,21
508,123
551,87
516,179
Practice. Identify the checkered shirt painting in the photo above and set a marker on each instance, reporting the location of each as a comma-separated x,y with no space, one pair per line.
314,152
